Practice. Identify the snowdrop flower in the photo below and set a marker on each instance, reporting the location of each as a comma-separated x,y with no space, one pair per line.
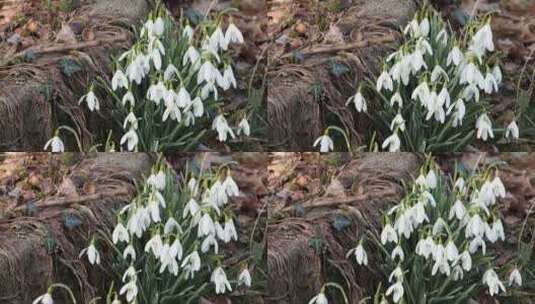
460,112
431,179
208,73
512,130
188,32
421,92
172,225
416,62
425,27
119,80
484,127
130,120
208,242
158,28
230,186
475,226
219,278
497,73
129,251
455,56
466,260
452,253
482,41
359,101
221,126
131,139
360,254
490,278
388,235
489,84
471,75
398,252
191,56
191,264
191,208
392,142
56,144
183,98
156,92
403,225
442,36
497,187
458,210
396,99
320,298
439,226
233,34
228,79
92,254
325,142
515,278
168,260
128,97
206,226
44,299
423,46
136,70
169,72
438,71
154,245
91,99
243,127
244,278
476,243
157,180
497,227
130,289
120,233
457,273
384,81
396,290
218,38
398,122
198,107
230,231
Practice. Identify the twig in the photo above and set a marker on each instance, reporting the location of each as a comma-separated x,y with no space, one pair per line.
327,202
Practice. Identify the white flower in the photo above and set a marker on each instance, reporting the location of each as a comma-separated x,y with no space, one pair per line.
243,126
191,264
360,254
457,273
396,99
455,56
128,97
396,274
384,81
230,186
131,139
482,41
221,126
129,251
437,72
512,130
325,142
158,27
490,278
431,179
92,101
120,233
156,92
515,278
460,112
208,73
398,252
56,144
497,73
452,253
497,187
228,79
191,208
206,226
388,235
439,226
130,289
230,231
171,225
442,36
219,278
191,56
489,84
44,299
92,254
466,260
425,27
169,72
458,210
198,107
396,290
392,142
359,101
167,259
398,122
157,181
233,34
475,226
130,120
484,127
320,298
154,245
119,80
208,242
244,278
471,75
188,32
476,243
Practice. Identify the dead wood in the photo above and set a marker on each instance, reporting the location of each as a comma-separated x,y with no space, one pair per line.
297,270
43,248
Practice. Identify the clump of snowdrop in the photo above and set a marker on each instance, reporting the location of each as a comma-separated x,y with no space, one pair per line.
432,87
438,235
168,85
171,233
